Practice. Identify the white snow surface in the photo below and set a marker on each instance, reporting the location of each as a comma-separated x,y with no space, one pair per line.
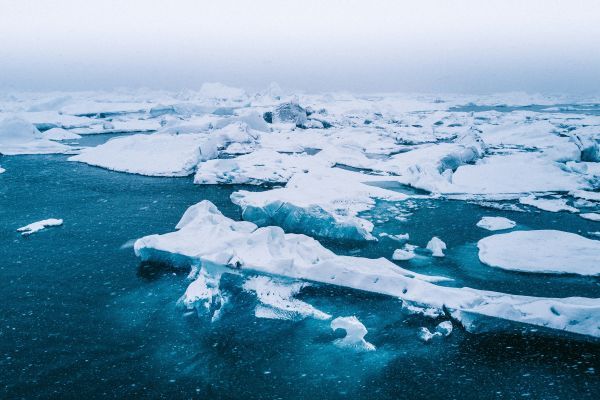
39,225
496,223
243,248
541,251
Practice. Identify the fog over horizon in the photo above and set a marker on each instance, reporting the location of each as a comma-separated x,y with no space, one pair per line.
376,46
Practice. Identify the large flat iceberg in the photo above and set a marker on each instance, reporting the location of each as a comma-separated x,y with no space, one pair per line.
545,251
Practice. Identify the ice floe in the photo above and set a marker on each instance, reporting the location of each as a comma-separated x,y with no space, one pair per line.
39,225
543,251
496,223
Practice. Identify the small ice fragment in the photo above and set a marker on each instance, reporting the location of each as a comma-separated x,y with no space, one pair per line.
38,226
496,223
436,246
355,333
445,328
2,170
426,335
403,254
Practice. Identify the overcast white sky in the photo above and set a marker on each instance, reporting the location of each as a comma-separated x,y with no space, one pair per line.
375,45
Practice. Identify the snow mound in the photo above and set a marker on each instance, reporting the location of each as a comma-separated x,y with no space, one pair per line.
543,251
355,333
496,223
38,226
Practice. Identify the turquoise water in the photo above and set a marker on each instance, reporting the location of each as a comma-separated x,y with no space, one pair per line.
82,318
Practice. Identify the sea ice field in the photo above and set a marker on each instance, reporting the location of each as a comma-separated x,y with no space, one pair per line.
220,243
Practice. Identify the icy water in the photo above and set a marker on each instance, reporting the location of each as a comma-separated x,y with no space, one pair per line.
82,318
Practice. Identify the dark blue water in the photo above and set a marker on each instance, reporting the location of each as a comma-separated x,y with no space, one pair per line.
82,318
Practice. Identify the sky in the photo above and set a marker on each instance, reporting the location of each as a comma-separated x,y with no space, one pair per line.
460,46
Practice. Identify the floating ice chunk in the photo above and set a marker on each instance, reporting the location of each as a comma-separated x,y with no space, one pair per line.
441,330
2,170
407,253
38,226
277,299
496,223
18,136
320,203
60,134
551,205
543,251
243,248
204,294
153,155
355,333
445,328
425,334
590,216
436,246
